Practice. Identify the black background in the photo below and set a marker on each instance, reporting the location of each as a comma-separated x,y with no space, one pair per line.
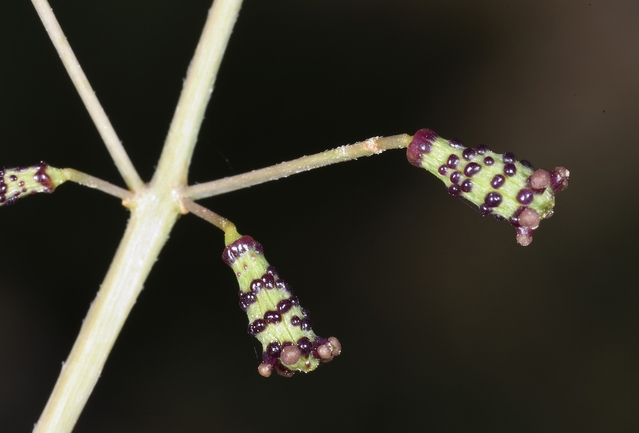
447,324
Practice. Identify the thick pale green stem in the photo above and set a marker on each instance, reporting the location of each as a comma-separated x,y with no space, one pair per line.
151,221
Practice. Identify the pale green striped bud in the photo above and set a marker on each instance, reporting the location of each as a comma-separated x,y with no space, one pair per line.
497,184
275,316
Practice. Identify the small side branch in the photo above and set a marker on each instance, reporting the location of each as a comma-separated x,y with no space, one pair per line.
372,146
94,182
81,83
208,215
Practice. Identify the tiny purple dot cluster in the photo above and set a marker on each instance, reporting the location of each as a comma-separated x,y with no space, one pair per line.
40,176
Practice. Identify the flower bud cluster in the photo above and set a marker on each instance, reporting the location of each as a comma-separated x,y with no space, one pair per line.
275,316
498,184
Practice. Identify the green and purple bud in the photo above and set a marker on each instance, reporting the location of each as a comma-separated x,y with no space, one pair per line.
498,184
275,316
17,182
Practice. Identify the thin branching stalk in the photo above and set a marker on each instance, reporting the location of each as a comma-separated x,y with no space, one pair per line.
372,146
81,83
176,156
96,183
208,215
154,210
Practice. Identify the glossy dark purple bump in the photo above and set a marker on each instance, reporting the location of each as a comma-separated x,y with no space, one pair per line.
485,210
455,177
246,299
481,149
526,164
467,185
240,247
498,181
256,286
294,300
510,170
306,324
453,161
296,321
472,169
273,349
525,196
454,190
493,199
269,281
284,306
305,345
499,217
283,286
420,144
456,144
469,154
508,158
272,317
489,160
256,327
443,170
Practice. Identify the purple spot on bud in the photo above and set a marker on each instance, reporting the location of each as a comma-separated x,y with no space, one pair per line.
239,248
256,327
508,158
455,177
485,210
246,299
256,286
419,145
284,305
305,345
469,154
272,317
442,170
467,185
273,349
453,161
456,144
283,286
493,199
272,271
296,321
294,300
454,190
526,163
489,160
525,196
472,169
481,149
499,217
510,170
497,181
269,281
306,324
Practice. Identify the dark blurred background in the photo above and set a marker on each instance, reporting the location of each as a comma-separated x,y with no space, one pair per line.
447,324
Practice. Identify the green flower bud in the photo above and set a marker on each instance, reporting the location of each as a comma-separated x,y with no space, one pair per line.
275,316
17,182
497,184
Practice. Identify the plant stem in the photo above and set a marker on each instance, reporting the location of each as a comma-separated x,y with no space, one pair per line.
93,182
154,210
151,220
189,113
368,147
81,83
208,215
